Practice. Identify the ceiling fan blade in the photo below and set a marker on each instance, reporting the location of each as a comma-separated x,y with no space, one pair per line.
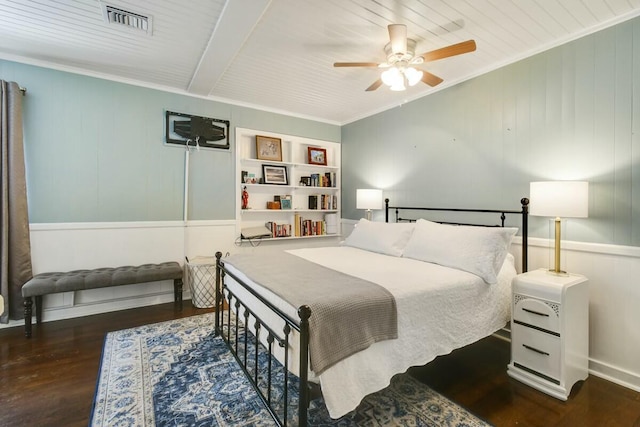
431,79
355,64
398,38
375,85
446,52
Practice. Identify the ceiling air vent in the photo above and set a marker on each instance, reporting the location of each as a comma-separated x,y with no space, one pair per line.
124,17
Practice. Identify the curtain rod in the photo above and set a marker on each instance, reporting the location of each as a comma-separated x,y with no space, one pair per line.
22,89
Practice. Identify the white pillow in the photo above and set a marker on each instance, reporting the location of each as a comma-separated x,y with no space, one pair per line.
477,250
382,237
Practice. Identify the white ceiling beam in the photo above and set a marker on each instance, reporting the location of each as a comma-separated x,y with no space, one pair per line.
237,21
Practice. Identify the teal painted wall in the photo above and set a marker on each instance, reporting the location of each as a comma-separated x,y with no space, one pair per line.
571,113
95,150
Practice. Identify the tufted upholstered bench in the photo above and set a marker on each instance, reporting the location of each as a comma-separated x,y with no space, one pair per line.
78,280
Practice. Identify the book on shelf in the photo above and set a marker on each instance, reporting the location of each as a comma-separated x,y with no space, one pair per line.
284,200
313,201
279,230
319,180
323,201
329,179
308,227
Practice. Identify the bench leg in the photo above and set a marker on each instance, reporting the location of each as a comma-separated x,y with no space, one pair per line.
39,309
177,292
28,313
28,302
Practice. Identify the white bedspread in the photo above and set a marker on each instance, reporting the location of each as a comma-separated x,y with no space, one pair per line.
439,309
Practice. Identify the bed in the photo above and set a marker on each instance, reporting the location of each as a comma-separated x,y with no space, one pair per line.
431,287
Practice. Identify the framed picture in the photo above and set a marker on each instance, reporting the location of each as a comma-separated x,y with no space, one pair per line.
316,156
275,174
268,148
250,178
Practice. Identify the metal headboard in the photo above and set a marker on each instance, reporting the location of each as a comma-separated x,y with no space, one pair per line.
524,212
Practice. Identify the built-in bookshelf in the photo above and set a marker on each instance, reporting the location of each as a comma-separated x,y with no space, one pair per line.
291,185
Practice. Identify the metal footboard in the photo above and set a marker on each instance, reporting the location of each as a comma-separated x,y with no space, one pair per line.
239,344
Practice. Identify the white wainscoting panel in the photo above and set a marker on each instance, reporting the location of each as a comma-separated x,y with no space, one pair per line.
67,246
205,238
74,246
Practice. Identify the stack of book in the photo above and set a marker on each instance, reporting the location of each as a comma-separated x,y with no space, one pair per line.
319,180
307,227
279,230
323,201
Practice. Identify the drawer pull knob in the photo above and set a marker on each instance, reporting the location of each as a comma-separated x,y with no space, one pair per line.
535,312
535,349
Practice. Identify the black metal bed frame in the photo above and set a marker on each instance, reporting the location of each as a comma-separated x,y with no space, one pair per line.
238,343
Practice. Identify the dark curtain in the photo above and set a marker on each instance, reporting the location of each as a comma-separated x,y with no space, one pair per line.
15,247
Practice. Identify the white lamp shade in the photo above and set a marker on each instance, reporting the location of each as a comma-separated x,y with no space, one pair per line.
413,76
567,199
391,76
368,199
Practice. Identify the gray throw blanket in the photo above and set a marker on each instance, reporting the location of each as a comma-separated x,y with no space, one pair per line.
348,314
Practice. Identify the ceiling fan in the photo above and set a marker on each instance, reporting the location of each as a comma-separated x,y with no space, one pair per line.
401,59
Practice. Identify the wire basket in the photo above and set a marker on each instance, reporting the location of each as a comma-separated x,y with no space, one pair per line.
201,275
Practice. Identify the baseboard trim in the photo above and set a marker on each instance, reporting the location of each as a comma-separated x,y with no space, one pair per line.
616,375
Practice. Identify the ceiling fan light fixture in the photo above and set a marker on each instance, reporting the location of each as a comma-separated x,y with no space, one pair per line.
397,78
391,76
413,76
398,86
401,59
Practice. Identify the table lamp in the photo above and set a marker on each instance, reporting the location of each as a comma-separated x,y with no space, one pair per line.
559,199
368,199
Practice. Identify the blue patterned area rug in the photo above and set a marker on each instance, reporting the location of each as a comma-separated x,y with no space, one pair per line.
177,373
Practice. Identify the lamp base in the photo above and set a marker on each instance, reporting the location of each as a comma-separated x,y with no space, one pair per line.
556,271
368,215
560,273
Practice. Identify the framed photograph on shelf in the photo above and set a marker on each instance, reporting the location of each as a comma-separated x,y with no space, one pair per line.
316,156
273,174
250,178
285,202
268,148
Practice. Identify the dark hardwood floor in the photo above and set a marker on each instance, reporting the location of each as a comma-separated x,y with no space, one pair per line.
475,377
49,380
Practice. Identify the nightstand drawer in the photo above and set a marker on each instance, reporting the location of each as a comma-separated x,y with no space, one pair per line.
536,313
536,350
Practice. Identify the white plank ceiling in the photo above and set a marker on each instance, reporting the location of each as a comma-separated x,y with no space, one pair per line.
278,55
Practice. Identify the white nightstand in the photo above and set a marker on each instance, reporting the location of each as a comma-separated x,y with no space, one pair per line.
550,331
